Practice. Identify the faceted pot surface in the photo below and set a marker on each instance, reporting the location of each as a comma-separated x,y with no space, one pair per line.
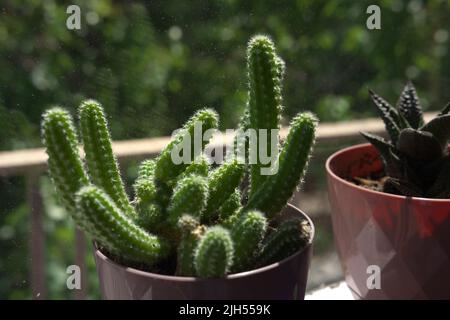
390,247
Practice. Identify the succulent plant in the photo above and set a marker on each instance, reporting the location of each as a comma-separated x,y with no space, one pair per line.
415,157
194,211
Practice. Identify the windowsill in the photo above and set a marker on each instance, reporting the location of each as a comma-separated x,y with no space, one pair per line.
337,291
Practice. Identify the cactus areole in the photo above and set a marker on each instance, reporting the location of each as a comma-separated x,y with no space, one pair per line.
189,219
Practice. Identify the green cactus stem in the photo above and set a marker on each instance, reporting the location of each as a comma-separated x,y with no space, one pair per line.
240,141
144,189
189,197
150,213
221,184
291,236
192,232
150,216
247,235
206,219
166,170
146,169
265,70
231,205
101,162
65,165
200,166
108,225
272,196
214,254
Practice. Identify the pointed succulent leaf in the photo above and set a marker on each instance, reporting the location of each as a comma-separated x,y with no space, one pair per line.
403,122
384,147
394,164
388,114
420,145
445,110
440,128
409,106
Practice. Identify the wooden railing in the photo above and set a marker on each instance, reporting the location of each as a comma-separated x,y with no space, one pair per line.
31,163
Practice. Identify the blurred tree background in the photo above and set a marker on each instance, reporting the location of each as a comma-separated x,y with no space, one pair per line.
152,63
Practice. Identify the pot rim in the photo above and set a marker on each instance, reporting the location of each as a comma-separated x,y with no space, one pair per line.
379,193
233,276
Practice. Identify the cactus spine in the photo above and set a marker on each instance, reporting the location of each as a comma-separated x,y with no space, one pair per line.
188,210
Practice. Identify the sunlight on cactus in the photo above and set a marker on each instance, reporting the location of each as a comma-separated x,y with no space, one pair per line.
265,71
200,214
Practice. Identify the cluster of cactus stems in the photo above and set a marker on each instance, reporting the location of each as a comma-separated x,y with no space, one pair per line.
416,158
195,212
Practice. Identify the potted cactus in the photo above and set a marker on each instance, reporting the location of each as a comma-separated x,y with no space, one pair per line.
390,204
192,231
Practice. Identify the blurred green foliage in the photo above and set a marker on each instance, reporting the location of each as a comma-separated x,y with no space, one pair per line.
152,63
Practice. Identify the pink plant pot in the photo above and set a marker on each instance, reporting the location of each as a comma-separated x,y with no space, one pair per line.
406,239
